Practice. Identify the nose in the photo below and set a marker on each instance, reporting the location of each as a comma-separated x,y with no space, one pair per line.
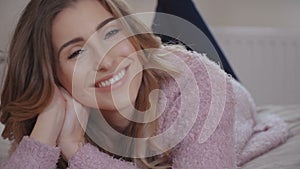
105,63
103,58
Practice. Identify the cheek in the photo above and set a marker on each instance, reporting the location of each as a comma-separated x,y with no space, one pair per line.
135,86
78,82
125,48
65,79
136,75
71,78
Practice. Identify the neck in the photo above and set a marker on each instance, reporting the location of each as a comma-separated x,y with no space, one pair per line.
117,120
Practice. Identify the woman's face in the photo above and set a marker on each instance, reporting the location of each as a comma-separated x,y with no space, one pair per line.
97,63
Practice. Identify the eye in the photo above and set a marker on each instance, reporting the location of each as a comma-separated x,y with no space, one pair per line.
76,53
111,33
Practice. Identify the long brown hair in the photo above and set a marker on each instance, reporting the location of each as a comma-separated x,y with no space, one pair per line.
31,75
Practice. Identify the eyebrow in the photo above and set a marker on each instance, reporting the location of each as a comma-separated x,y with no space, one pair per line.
78,39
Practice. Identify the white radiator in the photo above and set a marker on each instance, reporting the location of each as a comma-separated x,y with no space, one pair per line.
266,60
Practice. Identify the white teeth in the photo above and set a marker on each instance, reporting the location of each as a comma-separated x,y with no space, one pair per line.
112,80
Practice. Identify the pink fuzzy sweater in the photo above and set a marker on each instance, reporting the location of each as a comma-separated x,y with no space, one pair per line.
222,134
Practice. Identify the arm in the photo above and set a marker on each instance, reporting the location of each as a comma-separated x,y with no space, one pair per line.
90,157
72,136
216,152
31,154
210,142
38,151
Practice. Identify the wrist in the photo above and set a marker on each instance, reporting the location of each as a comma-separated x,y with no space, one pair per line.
41,134
70,149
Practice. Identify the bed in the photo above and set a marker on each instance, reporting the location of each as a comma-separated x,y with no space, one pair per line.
285,156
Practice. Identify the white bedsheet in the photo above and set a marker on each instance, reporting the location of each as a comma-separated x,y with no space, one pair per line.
285,156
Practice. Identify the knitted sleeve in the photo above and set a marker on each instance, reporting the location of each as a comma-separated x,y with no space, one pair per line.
90,157
210,141
31,154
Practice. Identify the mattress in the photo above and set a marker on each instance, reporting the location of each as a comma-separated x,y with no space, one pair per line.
285,156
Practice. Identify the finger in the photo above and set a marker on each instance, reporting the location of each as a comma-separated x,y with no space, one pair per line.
82,113
65,94
75,110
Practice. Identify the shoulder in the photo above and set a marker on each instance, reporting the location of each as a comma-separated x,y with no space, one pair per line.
204,85
197,62
196,67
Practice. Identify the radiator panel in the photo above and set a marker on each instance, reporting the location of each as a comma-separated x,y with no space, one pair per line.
266,60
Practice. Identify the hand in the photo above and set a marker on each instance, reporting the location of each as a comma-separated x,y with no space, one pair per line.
49,123
72,133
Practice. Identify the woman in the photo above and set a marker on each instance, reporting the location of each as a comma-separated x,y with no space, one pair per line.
70,57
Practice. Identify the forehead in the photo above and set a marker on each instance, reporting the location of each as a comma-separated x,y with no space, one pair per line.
78,20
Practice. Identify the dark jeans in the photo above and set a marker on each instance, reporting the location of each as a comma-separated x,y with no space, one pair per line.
205,43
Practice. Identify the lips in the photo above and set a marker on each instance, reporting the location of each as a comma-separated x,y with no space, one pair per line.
111,79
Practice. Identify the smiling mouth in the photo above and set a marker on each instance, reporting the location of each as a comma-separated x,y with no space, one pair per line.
114,79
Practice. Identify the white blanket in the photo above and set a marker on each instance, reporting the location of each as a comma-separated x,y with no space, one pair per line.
287,155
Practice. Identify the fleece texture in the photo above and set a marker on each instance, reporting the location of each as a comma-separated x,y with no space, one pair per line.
212,115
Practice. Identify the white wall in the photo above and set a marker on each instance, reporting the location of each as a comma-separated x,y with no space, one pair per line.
269,13
9,14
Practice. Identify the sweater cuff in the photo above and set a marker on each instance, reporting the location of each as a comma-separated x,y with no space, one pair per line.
89,156
43,153
83,156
